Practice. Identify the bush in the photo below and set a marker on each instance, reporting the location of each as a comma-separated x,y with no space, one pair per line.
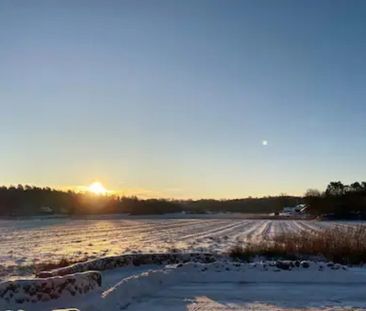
345,245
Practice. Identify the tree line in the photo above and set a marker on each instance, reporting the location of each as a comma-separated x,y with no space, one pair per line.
338,201
30,200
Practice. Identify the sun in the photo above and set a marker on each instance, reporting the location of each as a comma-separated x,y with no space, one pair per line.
97,188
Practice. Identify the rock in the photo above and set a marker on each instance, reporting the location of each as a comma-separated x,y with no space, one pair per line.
36,290
305,264
284,264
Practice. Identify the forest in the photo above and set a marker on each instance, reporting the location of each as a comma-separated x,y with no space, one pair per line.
338,201
30,200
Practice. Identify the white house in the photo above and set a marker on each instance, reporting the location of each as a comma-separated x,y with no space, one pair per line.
295,210
46,210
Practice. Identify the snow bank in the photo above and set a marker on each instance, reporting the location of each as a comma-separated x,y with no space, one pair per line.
36,290
113,262
144,284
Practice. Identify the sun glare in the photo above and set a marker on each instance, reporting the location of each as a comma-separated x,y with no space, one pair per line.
97,188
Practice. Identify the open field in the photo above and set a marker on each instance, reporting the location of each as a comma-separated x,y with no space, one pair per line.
24,243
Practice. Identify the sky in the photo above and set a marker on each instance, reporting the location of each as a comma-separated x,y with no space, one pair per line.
183,99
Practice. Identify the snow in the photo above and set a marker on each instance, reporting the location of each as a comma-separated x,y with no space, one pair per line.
26,242
222,285
254,296
36,290
154,285
216,274
113,262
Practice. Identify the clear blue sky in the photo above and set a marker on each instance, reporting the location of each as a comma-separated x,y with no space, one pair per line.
174,98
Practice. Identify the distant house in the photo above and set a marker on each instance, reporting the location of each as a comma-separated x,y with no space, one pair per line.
46,210
299,209
303,209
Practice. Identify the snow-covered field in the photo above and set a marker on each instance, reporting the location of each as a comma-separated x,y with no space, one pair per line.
193,286
25,242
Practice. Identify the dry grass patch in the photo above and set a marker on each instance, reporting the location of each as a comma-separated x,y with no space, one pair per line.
343,244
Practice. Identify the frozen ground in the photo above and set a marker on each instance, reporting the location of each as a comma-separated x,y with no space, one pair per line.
254,296
194,287
25,242
217,287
